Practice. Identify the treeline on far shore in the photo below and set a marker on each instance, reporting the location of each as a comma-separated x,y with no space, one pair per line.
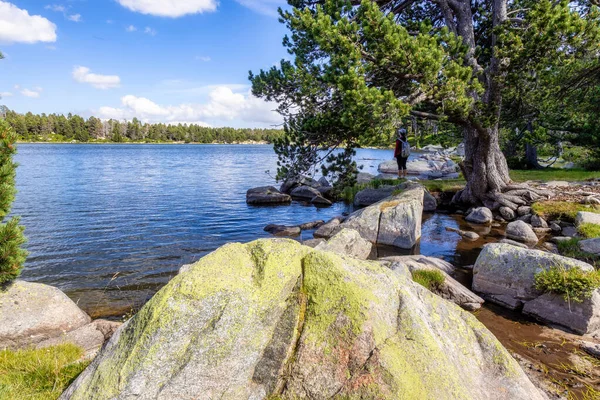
74,128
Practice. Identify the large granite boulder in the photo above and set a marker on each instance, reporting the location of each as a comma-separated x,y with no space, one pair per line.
505,274
32,312
394,221
266,195
275,319
587,218
347,242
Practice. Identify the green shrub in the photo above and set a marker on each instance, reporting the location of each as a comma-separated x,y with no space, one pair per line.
573,284
12,256
429,278
589,231
39,373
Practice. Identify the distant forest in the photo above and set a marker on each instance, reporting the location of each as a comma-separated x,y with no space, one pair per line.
60,128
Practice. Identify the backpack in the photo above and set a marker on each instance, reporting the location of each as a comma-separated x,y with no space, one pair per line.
405,149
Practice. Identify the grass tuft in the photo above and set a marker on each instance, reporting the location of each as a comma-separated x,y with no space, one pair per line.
429,278
561,210
552,174
39,374
589,231
573,284
570,248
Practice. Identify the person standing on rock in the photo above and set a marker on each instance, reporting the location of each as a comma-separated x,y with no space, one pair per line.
402,152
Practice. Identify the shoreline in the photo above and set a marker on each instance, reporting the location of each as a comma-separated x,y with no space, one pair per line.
156,143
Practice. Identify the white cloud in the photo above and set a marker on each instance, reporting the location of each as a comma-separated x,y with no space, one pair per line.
74,17
17,26
84,75
223,105
131,28
150,31
203,58
30,93
56,7
5,94
170,8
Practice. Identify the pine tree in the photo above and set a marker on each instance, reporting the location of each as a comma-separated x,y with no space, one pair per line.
12,256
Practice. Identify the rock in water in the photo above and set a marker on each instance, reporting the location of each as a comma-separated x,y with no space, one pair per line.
481,215
266,195
274,319
33,312
521,231
394,221
347,242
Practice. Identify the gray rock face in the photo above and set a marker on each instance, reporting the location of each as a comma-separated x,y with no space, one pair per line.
367,197
520,231
311,225
283,230
556,229
523,210
587,218
363,177
592,349
266,195
347,242
89,337
465,234
508,272
33,312
569,231
292,183
395,221
590,246
450,290
329,228
320,201
481,215
305,192
538,222
507,213
429,202
581,318
276,319
313,242
513,243
324,182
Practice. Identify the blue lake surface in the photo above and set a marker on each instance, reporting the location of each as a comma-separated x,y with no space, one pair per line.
111,224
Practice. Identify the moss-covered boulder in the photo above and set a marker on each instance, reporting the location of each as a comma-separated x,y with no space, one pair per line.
273,319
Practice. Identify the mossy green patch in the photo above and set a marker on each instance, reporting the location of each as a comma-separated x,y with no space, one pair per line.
588,230
573,284
561,210
429,278
39,374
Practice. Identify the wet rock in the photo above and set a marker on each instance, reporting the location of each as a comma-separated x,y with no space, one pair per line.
305,192
582,318
311,225
450,290
347,242
590,246
33,312
507,213
592,349
480,215
283,230
395,221
513,243
464,234
523,210
538,222
274,318
266,195
506,274
429,202
329,229
587,218
320,201
522,232
369,196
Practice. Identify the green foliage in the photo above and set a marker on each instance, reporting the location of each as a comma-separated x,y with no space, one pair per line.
552,174
570,248
61,128
39,374
589,231
561,210
12,256
573,284
429,278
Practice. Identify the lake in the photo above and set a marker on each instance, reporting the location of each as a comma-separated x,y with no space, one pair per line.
110,224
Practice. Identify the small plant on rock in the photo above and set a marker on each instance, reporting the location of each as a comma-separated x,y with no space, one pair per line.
429,278
573,284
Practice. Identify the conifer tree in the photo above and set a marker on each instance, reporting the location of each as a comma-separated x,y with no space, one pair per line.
12,255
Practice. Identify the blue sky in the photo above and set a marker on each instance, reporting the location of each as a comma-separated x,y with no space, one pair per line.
157,60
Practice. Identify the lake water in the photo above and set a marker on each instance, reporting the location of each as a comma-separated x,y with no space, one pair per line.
110,224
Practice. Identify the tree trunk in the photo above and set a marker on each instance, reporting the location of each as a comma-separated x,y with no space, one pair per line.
484,167
531,157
